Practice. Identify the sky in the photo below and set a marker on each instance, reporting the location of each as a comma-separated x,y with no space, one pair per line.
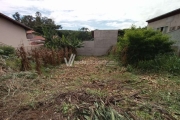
93,14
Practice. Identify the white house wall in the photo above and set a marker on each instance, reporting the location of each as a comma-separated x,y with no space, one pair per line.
12,34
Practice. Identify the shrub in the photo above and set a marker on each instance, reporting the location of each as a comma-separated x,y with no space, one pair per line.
6,50
166,62
142,44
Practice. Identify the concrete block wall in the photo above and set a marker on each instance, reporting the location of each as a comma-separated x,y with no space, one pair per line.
103,40
175,36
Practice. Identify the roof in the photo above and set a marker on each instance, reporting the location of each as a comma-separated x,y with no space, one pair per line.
30,31
15,22
174,12
38,38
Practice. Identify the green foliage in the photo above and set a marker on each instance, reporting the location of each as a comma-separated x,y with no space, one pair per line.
36,22
166,62
67,108
84,29
17,17
13,62
25,75
6,50
81,35
121,32
52,41
55,42
74,42
2,62
142,44
99,112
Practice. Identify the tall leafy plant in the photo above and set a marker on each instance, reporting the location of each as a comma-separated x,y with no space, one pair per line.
52,40
143,44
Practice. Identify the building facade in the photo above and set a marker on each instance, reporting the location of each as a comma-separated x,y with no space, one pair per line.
165,23
12,33
169,24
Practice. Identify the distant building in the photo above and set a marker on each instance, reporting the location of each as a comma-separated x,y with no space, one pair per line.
34,39
12,33
167,22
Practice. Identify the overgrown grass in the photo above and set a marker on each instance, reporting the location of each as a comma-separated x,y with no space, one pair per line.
166,62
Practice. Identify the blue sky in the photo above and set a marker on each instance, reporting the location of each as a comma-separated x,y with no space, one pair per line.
94,14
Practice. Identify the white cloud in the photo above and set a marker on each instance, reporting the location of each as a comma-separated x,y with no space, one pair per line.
69,25
123,25
99,10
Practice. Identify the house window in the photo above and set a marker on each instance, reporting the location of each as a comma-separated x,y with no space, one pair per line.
165,29
178,27
172,28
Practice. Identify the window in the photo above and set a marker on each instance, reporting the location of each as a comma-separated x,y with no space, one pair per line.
161,29
172,28
178,27
165,29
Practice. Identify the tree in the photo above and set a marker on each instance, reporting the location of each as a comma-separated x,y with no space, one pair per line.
17,17
38,18
84,29
28,20
37,22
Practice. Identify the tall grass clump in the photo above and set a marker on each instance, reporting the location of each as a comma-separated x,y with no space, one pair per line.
166,62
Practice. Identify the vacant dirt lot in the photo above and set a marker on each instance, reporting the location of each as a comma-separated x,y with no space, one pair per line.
78,92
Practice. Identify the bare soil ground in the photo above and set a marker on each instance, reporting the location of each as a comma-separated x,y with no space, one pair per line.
74,92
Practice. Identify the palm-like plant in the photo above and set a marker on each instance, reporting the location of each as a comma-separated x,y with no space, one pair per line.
71,43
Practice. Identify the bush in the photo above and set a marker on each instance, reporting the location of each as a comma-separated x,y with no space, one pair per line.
6,50
142,44
166,62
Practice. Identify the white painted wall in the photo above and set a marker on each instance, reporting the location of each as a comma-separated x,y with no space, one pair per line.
12,34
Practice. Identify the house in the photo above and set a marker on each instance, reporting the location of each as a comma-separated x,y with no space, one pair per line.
167,22
34,39
12,33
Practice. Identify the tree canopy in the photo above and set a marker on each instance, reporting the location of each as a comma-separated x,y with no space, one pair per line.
37,23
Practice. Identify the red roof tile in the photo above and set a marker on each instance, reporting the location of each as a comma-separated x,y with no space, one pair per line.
30,31
38,38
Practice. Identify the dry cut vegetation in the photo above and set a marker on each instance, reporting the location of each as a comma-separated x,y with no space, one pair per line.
90,91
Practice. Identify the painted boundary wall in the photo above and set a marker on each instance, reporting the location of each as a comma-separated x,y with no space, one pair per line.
103,40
